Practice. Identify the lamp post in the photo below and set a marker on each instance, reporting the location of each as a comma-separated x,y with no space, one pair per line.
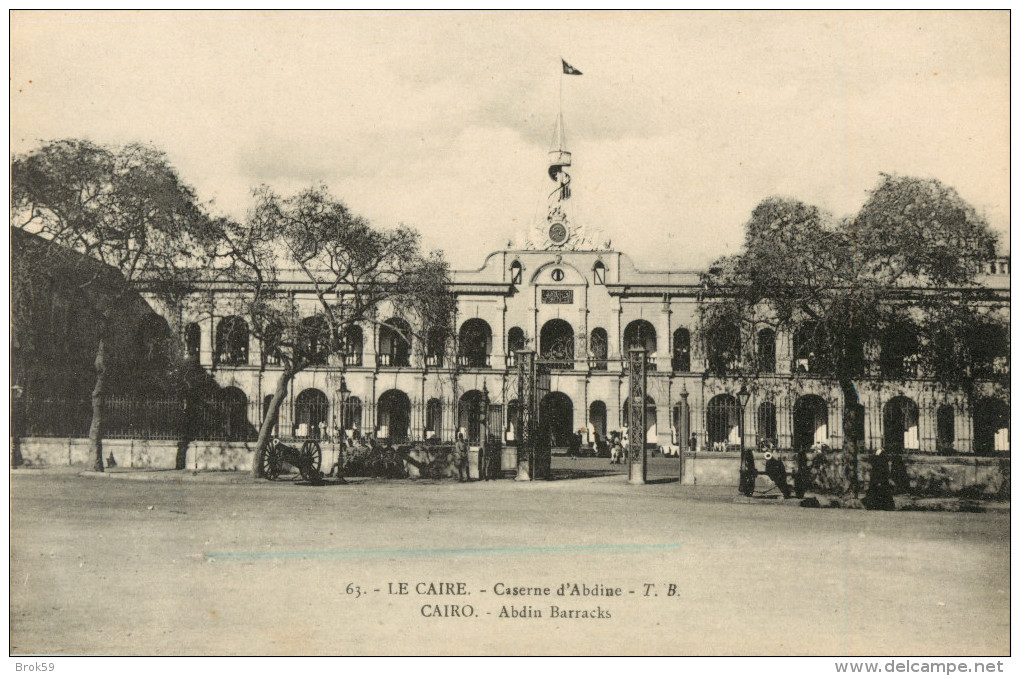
743,396
685,427
344,391
746,485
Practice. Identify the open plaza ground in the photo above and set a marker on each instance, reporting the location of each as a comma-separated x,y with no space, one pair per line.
217,563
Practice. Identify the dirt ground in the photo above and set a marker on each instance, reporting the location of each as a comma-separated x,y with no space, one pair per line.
197,565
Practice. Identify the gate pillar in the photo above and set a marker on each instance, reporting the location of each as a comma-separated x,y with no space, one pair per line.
530,465
636,458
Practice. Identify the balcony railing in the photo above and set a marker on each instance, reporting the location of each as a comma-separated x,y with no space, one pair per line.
435,360
389,360
352,359
475,361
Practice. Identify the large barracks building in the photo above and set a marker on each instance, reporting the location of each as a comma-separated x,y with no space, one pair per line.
582,306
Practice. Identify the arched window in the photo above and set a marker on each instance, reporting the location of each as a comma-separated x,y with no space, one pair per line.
514,342
434,420
310,409
515,272
231,342
192,341
945,424
395,343
723,348
722,422
272,338
151,341
354,343
899,421
898,358
435,347
600,273
475,343
315,340
598,350
681,350
766,423
557,344
639,334
766,351
804,348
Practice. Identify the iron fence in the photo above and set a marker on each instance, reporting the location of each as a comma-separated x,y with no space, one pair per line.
898,425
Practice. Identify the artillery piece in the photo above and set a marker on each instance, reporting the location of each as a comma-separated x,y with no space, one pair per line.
307,460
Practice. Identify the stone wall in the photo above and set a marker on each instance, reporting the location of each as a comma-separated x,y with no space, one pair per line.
961,472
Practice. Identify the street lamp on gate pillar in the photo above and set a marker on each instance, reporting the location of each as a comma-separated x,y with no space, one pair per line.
343,424
742,396
746,484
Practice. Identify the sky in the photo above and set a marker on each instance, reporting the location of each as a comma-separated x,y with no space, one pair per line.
680,124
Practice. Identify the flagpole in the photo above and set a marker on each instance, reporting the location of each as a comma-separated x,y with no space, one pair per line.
561,88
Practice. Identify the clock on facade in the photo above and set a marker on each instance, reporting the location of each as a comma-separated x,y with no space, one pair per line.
557,233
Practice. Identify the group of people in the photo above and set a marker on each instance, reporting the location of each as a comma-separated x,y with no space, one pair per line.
617,450
486,460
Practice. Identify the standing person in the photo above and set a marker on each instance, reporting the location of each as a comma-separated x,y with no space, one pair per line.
461,450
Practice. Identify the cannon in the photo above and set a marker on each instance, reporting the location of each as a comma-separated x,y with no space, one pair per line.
307,460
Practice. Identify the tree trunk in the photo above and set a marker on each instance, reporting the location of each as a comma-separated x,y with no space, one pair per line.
96,429
269,421
851,447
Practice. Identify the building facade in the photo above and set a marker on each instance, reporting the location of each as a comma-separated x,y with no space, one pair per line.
582,306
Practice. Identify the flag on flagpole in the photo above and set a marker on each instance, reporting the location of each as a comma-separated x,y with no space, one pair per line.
570,70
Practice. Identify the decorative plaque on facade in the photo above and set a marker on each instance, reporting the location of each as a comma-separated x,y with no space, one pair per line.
557,296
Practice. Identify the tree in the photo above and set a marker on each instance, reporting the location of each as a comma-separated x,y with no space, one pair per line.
124,208
356,273
894,285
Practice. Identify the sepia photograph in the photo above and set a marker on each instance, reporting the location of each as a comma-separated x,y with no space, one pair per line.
511,333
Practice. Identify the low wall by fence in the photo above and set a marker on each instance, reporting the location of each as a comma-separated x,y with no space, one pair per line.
201,455
960,472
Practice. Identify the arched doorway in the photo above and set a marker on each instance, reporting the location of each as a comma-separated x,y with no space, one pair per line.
434,419
394,416
722,422
351,418
235,414
310,410
991,427
556,420
597,421
469,416
651,420
899,424
810,422
556,343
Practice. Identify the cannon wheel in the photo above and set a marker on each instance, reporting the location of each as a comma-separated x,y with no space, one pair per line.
311,468
271,462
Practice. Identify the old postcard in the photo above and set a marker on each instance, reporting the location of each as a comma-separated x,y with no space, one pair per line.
511,333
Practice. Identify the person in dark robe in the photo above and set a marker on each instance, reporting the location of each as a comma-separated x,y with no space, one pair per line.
802,476
748,473
776,470
879,494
